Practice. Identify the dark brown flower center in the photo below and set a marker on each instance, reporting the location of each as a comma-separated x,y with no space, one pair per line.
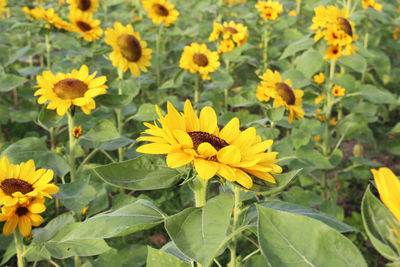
21,211
335,50
12,185
286,93
84,4
160,10
83,26
200,59
70,89
231,30
130,47
345,25
199,137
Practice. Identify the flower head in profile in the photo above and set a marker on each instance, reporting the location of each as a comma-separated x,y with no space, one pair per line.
20,183
389,189
269,9
282,93
48,15
338,90
22,215
87,6
371,4
64,90
129,51
84,24
161,11
231,153
198,58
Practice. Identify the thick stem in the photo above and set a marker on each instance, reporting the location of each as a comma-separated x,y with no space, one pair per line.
48,50
199,187
265,46
158,69
118,112
298,8
19,248
236,213
71,145
226,91
52,138
196,90
15,97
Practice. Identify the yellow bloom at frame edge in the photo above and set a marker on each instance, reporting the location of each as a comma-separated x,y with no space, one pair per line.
160,11
371,4
231,153
70,89
3,4
19,183
269,9
198,58
87,6
389,189
129,51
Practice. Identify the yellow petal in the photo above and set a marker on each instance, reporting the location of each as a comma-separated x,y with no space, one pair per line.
206,150
226,172
229,155
183,138
36,219
178,158
10,225
231,130
154,149
243,179
208,120
191,119
24,225
206,169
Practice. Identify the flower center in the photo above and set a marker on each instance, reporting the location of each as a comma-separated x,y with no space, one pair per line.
286,93
200,59
70,88
130,47
83,26
21,211
160,10
10,186
199,137
345,25
84,4
231,30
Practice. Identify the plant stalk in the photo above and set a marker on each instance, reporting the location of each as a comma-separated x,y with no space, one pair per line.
19,246
118,112
199,187
71,144
226,91
196,91
236,213
158,43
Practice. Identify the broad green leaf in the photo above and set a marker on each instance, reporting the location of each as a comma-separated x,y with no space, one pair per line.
144,172
293,240
49,118
17,55
50,230
355,62
282,179
116,143
276,114
221,80
156,258
114,101
377,96
171,248
146,112
396,128
313,157
9,253
352,125
131,218
303,197
300,45
339,226
109,258
76,247
4,114
10,81
26,149
198,232
309,63
103,131
377,218
72,190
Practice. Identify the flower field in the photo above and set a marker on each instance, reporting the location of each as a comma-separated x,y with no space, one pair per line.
202,133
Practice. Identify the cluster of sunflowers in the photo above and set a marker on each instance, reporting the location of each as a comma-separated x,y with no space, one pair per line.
23,190
232,34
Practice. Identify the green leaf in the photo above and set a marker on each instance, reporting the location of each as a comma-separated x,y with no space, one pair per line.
293,240
26,149
49,118
146,112
145,172
198,232
114,101
156,258
375,95
72,190
300,45
76,247
396,128
50,230
313,157
10,81
355,62
103,131
282,179
310,62
276,114
376,218
131,218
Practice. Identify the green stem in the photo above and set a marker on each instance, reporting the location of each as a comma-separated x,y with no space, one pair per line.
118,112
88,157
226,91
236,212
77,261
48,50
272,127
52,138
298,8
196,90
71,144
29,36
158,41
265,46
199,187
19,246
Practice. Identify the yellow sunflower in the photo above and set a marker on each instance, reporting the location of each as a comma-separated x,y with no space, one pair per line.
333,52
226,46
129,51
235,31
25,216
234,2
3,4
269,9
84,24
231,153
338,90
197,58
319,78
70,89
319,98
19,183
88,6
160,11
77,131
389,189
283,94
371,4
48,15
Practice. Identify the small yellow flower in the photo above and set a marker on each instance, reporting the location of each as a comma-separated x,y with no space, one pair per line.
319,98
333,52
371,4
160,11
292,13
319,78
318,115
269,9
333,121
396,33
77,131
317,138
226,46
3,4
84,210
338,90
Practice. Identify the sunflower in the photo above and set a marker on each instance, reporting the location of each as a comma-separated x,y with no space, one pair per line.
234,2
389,189
231,153
319,98
197,58
48,15
88,6
24,215
235,31
333,52
319,78
226,46
338,90
77,131
160,11
3,4
371,4
282,93
71,89
19,183
84,24
269,9
129,51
